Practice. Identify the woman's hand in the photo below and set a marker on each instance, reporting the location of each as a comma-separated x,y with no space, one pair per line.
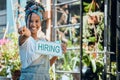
23,31
24,34
64,47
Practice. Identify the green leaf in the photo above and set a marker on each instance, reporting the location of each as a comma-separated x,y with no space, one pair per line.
92,39
93,65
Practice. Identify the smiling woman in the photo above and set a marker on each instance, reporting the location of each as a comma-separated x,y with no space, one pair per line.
34,23
34,66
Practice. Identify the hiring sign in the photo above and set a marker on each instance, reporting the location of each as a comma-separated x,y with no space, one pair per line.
49,48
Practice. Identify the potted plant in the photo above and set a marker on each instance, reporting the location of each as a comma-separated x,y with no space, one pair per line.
93,26
9,57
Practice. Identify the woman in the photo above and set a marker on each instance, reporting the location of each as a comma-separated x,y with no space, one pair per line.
34,66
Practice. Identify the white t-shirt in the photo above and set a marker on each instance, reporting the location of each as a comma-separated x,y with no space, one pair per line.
27,52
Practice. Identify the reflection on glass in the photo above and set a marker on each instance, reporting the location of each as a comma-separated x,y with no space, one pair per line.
68,13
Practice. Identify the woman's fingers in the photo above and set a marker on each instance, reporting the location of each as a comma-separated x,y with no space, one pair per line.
64,48
22,30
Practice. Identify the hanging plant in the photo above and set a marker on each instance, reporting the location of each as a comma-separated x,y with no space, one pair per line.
93,26
93,6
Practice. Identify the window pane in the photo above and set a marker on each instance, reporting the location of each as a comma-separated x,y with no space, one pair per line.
2,4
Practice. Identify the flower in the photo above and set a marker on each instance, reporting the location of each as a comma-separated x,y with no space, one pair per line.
3,41
9,57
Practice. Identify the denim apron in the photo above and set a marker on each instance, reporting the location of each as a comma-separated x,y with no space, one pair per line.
38,70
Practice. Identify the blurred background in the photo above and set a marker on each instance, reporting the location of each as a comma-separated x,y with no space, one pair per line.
89,28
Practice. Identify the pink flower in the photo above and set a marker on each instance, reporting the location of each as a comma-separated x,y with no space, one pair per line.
3,41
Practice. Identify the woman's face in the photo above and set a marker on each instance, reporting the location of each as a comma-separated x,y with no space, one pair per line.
34,23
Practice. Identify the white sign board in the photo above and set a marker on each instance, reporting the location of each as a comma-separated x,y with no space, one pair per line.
49,48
